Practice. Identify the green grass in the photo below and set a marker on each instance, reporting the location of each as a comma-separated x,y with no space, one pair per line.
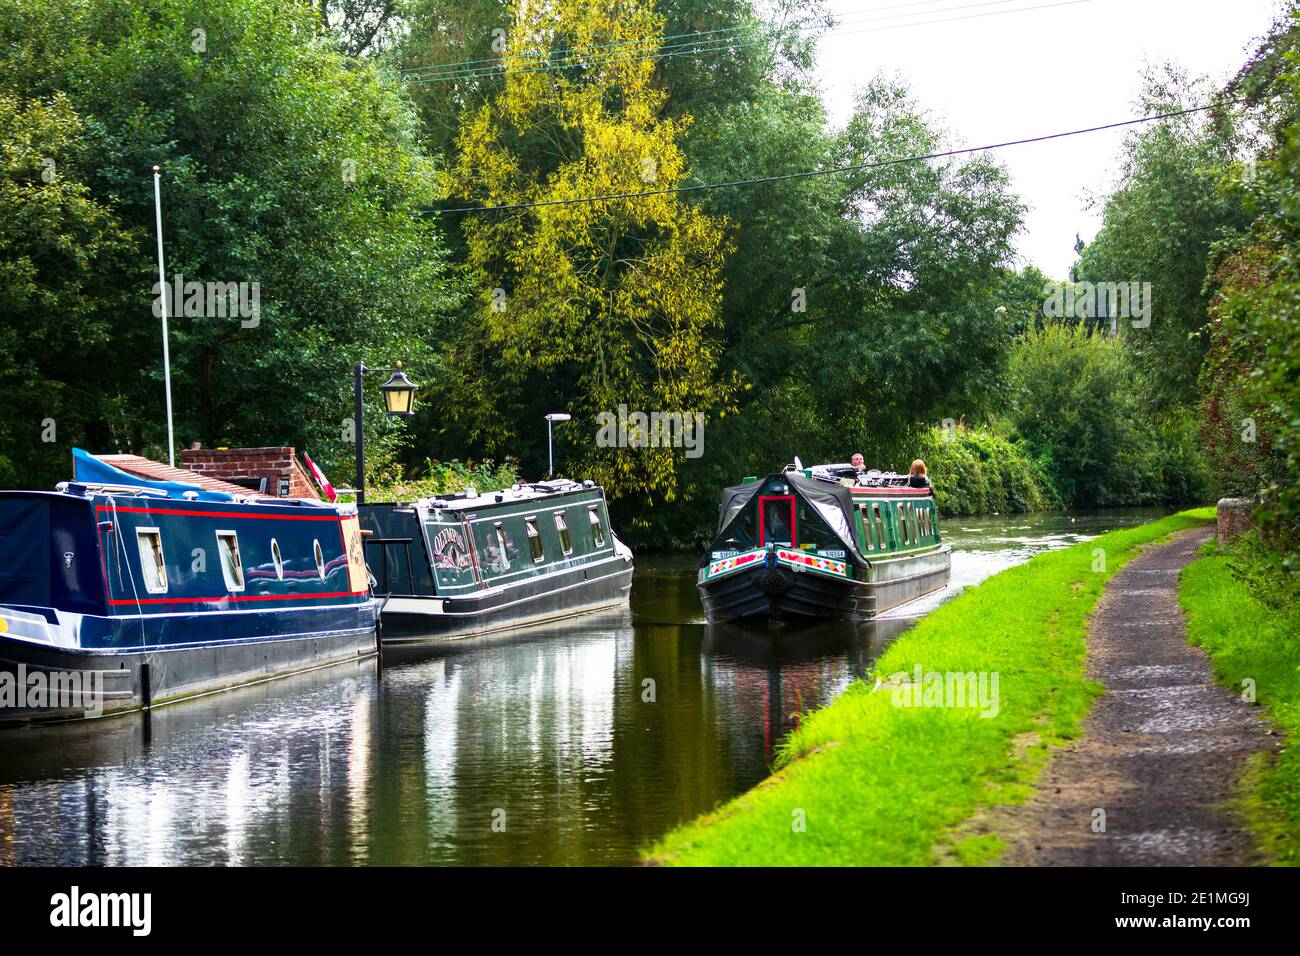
864,782
1250,627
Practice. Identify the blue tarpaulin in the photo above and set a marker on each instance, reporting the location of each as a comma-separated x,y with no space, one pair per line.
87,468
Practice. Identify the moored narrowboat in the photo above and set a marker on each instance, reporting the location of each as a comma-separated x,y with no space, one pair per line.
118,592
466,564
822,543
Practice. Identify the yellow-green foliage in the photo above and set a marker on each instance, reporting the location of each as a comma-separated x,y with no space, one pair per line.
878,784
621,296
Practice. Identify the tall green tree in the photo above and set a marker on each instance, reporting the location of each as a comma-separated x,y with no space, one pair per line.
286,164
1161,222
587,306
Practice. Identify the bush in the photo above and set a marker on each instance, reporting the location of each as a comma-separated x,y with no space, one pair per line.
975,471
389,481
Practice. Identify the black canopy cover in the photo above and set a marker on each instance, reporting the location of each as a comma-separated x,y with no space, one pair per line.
833,504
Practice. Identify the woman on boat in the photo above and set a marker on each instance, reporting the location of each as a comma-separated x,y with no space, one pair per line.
916,477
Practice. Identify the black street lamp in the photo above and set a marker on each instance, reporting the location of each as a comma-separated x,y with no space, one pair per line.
399,400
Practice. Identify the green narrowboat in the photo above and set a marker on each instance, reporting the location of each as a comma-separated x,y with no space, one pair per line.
467,564
822,543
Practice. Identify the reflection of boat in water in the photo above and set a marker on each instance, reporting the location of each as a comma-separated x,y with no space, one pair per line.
764,645
466,564
118,592
822,543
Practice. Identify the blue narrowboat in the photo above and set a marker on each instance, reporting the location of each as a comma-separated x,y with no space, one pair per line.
118,593
467,563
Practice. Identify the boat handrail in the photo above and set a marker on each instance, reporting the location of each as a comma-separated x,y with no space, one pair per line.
111,489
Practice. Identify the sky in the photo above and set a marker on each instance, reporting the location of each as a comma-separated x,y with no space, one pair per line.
1028,72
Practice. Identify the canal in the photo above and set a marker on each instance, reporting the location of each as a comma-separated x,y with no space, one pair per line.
576,744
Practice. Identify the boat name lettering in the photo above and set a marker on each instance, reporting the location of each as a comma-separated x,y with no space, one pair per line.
449,551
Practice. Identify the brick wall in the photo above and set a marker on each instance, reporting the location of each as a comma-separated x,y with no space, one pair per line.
1233,518
273,462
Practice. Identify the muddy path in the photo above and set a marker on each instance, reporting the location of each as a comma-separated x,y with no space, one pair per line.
1162,749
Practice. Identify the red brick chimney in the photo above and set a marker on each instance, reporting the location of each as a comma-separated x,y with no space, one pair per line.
273,471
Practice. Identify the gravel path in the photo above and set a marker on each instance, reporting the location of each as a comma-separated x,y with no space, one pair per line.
1161,751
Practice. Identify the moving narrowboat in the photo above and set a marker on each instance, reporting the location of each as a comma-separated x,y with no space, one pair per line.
117,592
465,564
822,543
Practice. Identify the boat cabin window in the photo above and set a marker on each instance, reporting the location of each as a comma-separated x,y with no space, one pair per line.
499,562
597,532
320,560
865,518
776,519
279,561
562,526
152,562
881,540
902,523
495,548
534,539
232,568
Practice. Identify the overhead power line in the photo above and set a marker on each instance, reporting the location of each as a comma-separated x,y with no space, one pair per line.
495,61
851,168
582,57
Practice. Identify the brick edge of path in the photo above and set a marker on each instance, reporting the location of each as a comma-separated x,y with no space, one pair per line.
1162,750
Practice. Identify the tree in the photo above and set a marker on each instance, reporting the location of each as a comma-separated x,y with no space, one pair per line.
586,306
63,258
1160,224
286,165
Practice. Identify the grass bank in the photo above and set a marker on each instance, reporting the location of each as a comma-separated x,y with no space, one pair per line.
1241,609
867,782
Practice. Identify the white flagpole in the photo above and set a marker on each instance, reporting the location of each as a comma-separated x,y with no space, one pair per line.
162,285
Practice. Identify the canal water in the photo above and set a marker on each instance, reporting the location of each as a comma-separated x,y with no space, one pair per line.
576,744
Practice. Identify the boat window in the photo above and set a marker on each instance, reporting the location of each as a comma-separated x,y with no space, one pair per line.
534,539
882,541
320,560
152,561
501,560
279,561
562,526
597,532
902,524
911,516
866,526
776,519
232,568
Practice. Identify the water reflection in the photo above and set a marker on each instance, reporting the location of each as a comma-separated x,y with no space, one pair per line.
574,744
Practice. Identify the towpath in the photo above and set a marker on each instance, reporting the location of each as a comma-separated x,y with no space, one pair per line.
1161,750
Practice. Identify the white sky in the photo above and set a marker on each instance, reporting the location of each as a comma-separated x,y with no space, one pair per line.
1013,75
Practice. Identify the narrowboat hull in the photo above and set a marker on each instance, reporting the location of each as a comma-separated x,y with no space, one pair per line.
104,681
770,588
419,621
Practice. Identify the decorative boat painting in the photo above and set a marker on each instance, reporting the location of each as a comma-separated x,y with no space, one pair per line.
118,593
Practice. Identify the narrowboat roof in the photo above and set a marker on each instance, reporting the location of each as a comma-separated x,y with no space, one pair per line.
471,499
874,478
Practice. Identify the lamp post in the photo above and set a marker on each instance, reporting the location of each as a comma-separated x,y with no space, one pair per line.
550,454
399,400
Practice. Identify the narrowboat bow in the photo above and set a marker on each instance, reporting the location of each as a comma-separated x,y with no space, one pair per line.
118,592
822,543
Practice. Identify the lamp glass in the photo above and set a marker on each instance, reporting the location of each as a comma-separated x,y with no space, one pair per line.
399,394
